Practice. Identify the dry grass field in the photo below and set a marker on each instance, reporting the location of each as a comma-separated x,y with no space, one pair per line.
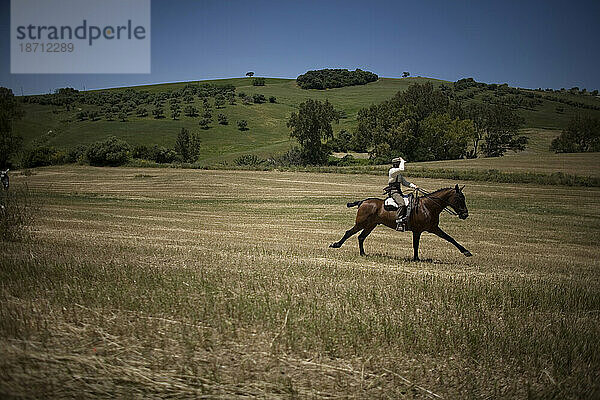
139,283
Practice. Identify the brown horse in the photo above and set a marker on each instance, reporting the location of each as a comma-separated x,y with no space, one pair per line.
425,217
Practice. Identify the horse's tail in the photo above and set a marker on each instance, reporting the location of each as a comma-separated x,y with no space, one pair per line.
356,203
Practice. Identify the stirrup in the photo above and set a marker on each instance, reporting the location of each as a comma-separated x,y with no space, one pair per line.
400,226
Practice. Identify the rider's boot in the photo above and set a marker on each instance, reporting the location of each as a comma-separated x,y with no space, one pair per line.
401,220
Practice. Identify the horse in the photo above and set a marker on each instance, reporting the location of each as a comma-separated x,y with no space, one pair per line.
4,179
425,217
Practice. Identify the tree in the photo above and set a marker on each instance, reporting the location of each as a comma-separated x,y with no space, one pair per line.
478,113
343,142
190,111
405,74
502,132
94,115
222,119
250,74
444,138
311,127
158,112
258,98
219,101
141,112
242,125
495,129
204,123
581,135
418,124
10,110
187,145
231,98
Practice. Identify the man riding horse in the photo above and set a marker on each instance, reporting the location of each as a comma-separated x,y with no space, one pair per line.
394,188
373,212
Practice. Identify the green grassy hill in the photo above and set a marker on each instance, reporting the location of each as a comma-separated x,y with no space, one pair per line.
267,134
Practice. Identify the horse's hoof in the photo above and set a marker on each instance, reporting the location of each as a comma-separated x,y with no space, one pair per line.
467,253
335,245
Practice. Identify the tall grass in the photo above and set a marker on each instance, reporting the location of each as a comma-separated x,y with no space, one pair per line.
16,213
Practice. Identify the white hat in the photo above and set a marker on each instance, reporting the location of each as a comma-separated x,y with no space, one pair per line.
399,160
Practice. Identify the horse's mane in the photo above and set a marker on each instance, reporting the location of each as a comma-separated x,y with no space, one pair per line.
439,190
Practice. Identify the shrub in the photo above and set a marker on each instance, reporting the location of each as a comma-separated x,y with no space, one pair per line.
76,154
204,123
109,152
292,157
42,156
582,135
222,119
259,98
258,82
248,159
140,151
162,155
272,99
242,125
16,213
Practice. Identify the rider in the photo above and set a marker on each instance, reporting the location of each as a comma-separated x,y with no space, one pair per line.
395,182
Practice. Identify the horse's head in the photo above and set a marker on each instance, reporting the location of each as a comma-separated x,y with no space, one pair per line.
4,179
457,201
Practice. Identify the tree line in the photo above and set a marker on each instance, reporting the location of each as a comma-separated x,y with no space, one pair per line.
467,88
334,78
419,124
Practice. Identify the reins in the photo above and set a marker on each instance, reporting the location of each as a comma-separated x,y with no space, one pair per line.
430,197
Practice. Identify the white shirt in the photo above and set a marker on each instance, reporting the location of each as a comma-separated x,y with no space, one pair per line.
394,172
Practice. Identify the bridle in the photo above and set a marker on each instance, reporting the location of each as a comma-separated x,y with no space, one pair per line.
430,197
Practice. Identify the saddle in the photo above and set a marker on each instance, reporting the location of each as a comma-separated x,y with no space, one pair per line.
390,204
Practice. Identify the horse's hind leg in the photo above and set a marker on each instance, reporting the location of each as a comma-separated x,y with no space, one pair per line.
347,235
361,238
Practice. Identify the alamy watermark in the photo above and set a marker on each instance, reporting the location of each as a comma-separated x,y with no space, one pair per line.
80,36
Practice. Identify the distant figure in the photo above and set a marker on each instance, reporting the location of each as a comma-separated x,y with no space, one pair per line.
395,182
4,179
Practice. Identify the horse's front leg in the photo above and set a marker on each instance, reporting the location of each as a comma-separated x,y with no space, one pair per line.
438,231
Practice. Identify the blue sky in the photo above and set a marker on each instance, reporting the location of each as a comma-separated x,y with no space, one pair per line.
523,43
